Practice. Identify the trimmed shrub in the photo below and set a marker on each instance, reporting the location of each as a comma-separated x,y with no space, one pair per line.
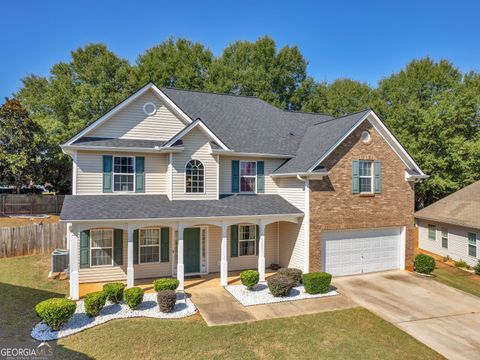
280,285
166,300
133,297
165,284
461,264
94,303
249,278
477,268
294,274
55,312
424,264
114,292
317,282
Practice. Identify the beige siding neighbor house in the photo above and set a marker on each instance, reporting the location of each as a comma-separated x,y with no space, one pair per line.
174,182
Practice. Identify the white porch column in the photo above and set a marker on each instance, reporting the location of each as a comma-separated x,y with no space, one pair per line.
73,264
223,262
261,251
180,267
130,269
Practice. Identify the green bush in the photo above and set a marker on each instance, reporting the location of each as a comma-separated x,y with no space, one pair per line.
461,264
94,303
133,297
114,292
280,285
294,274
166,300
477,268
55,312
424,264
249,278
317,282
165,284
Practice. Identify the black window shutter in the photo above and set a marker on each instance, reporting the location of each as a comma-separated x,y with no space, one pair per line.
165,245
135,246
118,247
234,241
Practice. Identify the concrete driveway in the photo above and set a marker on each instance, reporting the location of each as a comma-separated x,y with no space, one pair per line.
443,318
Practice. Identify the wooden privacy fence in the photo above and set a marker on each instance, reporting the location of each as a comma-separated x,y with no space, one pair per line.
30,204
32,239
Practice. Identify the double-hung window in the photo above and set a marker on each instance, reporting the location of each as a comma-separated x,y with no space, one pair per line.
445,238
123,173
247,239
149,245
432,232
101,247
365,176
472,244
248,176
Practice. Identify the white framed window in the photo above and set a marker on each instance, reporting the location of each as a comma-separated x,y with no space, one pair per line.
149,245
123,173
445,238
101,247
248,176
432,232
247,240
365,176
472,244
194,177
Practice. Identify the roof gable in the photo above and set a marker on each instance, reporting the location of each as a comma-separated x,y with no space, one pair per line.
197,124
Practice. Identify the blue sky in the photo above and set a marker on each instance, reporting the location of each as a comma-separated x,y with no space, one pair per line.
363,40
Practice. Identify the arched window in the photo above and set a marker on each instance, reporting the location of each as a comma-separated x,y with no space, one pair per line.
194,177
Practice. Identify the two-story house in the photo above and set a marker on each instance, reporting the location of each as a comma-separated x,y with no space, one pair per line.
173,182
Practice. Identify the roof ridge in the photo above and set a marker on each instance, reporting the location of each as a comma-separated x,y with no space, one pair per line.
306,112
213,93
343,116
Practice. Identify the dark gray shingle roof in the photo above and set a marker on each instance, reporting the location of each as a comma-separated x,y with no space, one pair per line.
103,207
460,208
318,140
110,142
246,124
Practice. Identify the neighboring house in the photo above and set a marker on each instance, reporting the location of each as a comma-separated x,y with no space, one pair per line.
451,226
174,182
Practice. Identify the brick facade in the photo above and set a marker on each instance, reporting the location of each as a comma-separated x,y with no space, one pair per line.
334,207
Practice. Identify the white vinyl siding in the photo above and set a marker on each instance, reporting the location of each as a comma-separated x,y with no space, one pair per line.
196,146
457,241
226,173
292,236
133,123
90,172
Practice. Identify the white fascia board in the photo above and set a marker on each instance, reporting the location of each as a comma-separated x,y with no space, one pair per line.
310,175
69,148
189,128
247,154
125,103
386,135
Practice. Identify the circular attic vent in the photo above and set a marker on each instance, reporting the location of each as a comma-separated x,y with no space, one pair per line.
366,137
149,108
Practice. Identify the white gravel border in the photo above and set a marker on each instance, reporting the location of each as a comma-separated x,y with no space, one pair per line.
80,321
260,294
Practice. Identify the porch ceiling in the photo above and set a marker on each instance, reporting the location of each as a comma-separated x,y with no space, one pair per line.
145,207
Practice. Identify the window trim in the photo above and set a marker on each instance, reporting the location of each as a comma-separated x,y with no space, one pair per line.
106,247
428,232
468,244
444,231
204,178
114,173
372,177
159,245
254,240
247,176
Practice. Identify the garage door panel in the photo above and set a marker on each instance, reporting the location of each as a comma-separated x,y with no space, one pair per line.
361,251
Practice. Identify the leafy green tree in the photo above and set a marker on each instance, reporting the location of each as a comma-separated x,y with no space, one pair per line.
184,62
20,146
433,110
258,69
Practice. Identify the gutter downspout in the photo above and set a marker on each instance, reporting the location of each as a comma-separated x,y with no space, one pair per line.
306,219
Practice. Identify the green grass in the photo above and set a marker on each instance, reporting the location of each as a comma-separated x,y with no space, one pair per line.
354,333
457,278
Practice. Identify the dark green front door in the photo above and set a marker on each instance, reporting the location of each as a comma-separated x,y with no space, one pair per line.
191,250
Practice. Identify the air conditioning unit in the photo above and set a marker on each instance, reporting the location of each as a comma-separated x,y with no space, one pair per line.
59,261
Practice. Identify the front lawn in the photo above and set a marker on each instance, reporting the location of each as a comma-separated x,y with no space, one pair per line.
354,333
457,278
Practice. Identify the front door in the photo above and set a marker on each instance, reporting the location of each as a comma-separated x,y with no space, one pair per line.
191,250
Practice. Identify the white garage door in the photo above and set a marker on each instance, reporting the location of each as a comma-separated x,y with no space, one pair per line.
362,251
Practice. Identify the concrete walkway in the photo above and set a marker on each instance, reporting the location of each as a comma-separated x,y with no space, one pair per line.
443,318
